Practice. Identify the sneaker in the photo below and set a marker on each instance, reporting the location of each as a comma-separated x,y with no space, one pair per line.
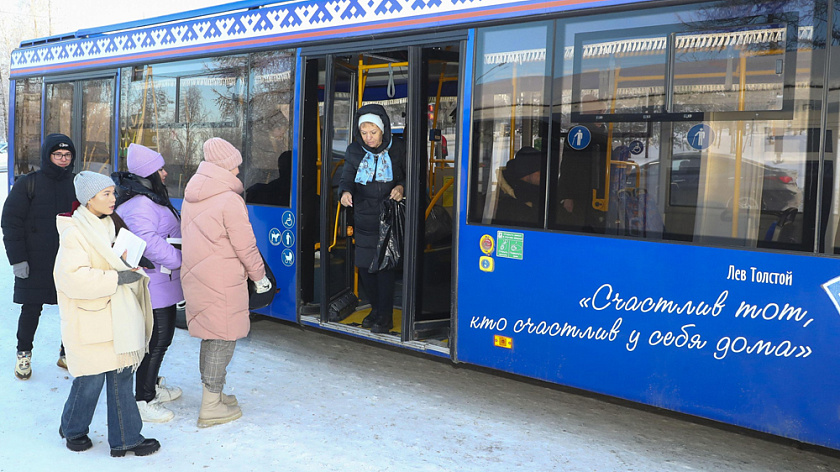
145,448
62,362
23,368
164,393
154,412
79,444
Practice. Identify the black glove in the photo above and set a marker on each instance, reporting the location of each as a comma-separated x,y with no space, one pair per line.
127,277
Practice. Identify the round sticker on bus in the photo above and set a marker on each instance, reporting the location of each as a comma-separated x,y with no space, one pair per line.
487,244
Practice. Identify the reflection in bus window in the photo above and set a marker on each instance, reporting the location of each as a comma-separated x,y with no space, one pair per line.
723,64
27,125
268,169
59,109
510,113
694,134
97,116
174,108
627,74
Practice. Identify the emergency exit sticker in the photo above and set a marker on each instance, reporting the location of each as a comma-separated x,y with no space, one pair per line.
510,245
503,341
487,244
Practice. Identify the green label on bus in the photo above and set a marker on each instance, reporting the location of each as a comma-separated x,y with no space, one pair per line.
509,244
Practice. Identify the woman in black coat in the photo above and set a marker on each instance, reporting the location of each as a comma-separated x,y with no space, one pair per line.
374,170
31,238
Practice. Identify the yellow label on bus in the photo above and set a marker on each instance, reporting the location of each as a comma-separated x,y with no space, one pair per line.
503,341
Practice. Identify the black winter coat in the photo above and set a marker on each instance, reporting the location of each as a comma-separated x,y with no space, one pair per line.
367,199
29,231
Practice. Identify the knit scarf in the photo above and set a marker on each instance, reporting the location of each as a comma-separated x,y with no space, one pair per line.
131,312
382,166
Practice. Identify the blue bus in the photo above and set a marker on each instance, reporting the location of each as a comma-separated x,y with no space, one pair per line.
628,197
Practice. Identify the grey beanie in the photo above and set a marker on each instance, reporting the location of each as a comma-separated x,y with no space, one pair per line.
88,184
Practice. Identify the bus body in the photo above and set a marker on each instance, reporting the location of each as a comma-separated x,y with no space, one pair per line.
671,240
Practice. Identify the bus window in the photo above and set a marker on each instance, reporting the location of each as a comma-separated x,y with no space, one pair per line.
696,132
59,109
510,114
174,108
27,125
96,130
84,109
268,173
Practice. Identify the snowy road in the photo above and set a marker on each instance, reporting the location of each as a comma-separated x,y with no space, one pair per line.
319,402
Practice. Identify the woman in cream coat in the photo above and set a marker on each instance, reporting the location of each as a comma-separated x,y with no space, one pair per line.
106,320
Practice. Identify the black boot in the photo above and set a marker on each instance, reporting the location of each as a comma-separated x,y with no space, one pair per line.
145,448
79,444
381,326
369,320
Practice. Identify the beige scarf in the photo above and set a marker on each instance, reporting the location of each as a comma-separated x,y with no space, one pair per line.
131,305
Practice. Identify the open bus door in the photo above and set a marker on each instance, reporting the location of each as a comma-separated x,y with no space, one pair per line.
418,86
334,255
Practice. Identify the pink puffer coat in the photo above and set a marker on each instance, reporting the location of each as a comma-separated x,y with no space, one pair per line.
219,253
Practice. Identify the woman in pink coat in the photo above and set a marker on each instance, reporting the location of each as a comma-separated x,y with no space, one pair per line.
219,254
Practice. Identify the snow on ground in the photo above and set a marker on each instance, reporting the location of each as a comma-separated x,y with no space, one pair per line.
313,401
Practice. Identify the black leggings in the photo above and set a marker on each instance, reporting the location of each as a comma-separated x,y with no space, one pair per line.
30,315
162,333
379,288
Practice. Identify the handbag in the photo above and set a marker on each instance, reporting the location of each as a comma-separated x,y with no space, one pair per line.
391,236
342,306
262,300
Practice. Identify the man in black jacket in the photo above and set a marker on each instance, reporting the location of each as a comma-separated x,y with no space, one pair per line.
31,238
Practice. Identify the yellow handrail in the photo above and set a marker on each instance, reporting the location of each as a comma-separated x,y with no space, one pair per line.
437,196
365,68
335,229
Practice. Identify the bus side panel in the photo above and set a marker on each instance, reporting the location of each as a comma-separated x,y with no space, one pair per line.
267,222
742,337
276,230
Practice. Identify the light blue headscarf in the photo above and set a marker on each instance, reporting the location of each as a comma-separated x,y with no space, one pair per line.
379,164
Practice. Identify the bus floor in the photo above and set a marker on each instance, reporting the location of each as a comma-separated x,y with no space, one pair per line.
355,320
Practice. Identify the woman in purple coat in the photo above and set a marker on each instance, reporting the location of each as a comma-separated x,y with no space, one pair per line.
144,205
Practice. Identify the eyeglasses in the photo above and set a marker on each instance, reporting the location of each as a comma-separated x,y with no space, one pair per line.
64,156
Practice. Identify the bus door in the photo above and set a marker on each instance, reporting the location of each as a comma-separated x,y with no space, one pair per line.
83,109
437,162
419,82
334,251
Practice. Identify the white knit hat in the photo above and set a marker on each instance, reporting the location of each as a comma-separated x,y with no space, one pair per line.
88,184
372,118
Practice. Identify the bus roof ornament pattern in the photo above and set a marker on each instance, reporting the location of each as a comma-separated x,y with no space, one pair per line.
286,23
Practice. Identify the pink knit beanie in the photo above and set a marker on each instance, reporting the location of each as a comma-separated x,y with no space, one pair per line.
143,161
222,153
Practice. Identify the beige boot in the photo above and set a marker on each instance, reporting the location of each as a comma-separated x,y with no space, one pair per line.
229,400
214,412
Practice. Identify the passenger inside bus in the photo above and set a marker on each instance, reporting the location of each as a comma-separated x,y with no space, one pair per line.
276,192
519,199
581,172
374,171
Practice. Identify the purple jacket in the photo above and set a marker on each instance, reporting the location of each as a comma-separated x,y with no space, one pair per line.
154,223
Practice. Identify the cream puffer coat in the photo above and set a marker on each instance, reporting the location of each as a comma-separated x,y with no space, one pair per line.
87,290
218,254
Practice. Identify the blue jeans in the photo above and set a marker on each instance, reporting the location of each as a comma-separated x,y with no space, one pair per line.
124,423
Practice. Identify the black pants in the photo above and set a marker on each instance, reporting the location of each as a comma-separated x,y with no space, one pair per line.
162,333
379,288
30,315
